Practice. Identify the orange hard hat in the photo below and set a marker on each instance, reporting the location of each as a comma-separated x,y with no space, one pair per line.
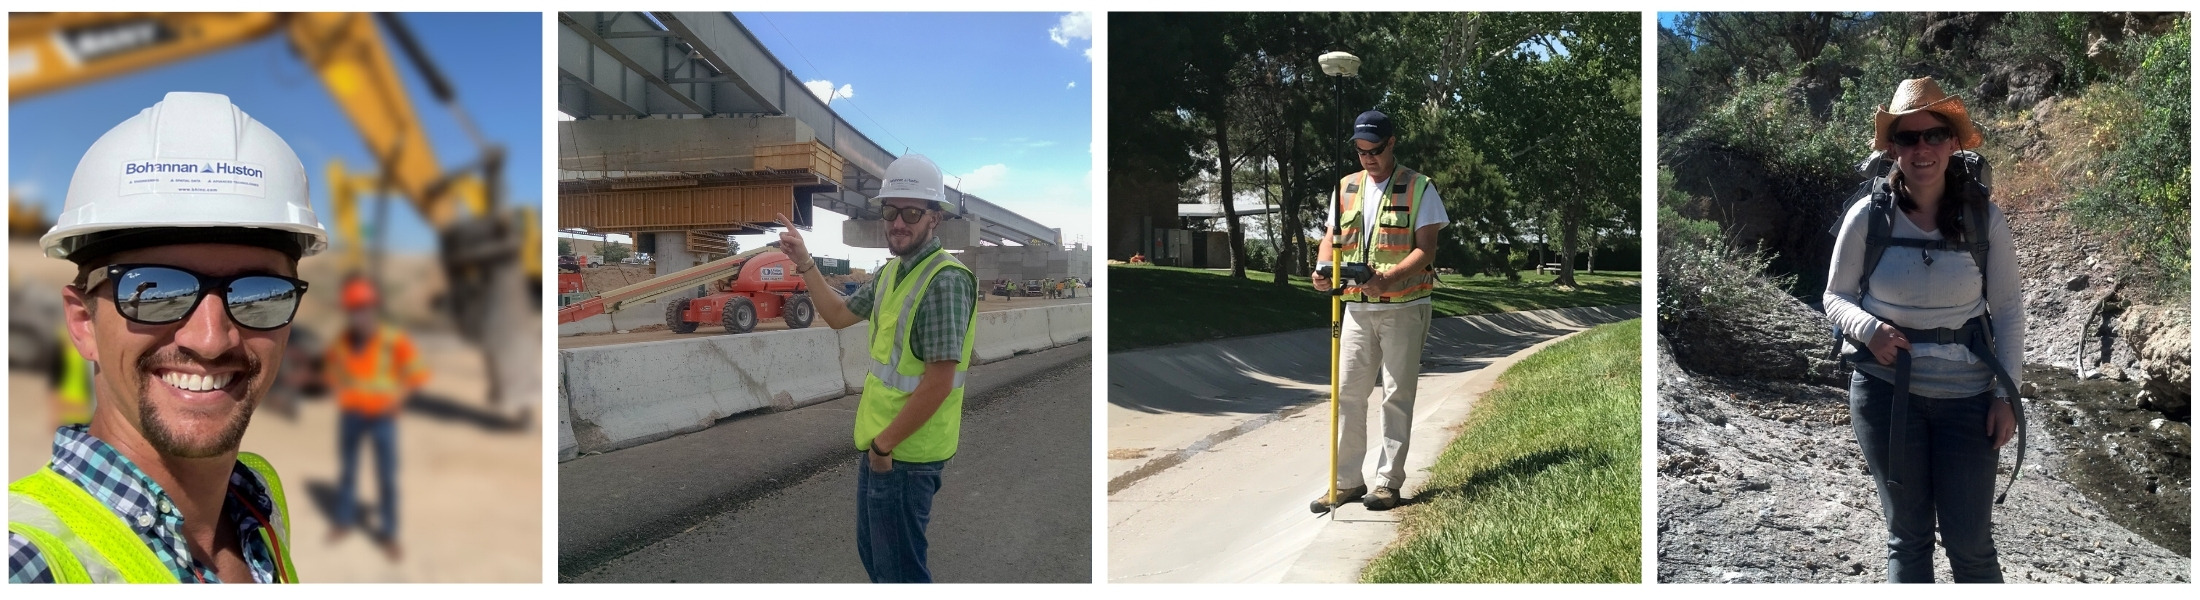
358,294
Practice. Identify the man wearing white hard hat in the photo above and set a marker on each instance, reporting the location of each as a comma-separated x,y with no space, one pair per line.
920,307
186,223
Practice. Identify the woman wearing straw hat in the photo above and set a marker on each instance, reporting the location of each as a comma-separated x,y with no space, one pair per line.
1916,274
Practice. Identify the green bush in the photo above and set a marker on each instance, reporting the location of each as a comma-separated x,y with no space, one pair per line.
2144,189
1701,275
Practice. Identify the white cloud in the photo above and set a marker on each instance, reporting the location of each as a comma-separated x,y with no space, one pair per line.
823,89
983,179
1073,26
1072,85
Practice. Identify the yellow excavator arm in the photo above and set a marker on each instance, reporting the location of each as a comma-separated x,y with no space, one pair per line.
486,248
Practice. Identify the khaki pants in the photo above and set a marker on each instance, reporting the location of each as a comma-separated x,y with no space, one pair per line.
1389,340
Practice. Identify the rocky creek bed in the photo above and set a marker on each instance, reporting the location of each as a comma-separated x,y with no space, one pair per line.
1762,481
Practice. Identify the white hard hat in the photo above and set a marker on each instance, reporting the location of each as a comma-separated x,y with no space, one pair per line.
192,168
914,177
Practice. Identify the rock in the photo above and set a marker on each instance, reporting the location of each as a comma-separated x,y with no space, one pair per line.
2077,283
2163,337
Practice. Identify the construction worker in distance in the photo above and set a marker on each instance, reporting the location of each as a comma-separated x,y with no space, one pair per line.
201,213
1388,217
71,377
372,368
923,328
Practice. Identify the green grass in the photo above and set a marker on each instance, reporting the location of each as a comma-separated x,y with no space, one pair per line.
1157,306
1543,484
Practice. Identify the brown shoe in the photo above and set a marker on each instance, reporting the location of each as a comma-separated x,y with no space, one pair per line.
390,548
1322,504
1383,499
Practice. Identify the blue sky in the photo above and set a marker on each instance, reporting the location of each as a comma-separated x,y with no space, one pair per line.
494,60
1001,100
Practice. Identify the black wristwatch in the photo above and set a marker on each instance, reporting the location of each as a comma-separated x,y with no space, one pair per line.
874,451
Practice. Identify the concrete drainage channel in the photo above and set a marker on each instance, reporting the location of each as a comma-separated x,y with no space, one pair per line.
612,397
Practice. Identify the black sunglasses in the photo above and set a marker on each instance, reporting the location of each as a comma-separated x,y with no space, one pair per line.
160,294
908,214
1936,135
1385,147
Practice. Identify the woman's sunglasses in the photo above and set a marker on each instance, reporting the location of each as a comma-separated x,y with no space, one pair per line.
1936,135
159,295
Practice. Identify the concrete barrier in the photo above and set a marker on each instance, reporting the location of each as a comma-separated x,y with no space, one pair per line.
648,313
1006,333
568,447
855,356
631,394
612,397
1069,323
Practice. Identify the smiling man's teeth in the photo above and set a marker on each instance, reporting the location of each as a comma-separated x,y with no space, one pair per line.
197,383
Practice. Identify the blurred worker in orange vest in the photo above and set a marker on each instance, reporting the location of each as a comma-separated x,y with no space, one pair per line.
372,368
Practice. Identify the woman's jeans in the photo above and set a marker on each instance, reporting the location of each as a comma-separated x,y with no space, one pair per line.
1946,472
892,510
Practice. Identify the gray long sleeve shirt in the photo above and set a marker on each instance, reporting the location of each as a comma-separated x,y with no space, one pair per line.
1909,292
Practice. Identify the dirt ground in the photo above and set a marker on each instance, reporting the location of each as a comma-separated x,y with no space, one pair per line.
658,332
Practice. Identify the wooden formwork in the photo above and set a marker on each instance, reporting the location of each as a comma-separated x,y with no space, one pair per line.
805,156
720,208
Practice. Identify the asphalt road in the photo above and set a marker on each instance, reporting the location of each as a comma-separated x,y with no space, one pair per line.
1016,505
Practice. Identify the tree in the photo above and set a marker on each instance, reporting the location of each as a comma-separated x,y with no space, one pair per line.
613,252
565,247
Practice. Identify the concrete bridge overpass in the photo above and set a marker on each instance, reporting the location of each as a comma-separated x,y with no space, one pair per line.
739,117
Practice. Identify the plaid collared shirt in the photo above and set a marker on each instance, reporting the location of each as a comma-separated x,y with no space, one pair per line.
942,316
141,503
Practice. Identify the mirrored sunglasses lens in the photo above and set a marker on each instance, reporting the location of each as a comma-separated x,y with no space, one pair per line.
262,302
156,295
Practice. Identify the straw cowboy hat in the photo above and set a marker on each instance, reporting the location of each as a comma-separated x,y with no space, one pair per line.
1923,94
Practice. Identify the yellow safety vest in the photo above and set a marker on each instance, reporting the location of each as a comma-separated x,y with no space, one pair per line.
75,385
895,372
84,541
1393,235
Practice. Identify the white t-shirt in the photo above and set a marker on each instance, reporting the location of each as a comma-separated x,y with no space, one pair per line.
1430,212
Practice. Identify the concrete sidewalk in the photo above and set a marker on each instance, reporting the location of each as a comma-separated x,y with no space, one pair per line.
615,503
1166,403
1192,503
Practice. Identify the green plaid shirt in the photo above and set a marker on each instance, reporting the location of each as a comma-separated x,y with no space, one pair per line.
942,316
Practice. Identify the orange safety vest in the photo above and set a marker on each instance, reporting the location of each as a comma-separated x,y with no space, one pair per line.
374,380
1393,234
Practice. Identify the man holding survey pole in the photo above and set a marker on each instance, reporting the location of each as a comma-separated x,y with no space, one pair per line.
920,306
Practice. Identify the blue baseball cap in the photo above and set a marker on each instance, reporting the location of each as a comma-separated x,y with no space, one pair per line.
1373,126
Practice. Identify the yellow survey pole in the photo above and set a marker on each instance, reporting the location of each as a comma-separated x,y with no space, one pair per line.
1336,336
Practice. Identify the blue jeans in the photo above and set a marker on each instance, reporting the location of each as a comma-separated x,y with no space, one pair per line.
892,509
1949,476
383,429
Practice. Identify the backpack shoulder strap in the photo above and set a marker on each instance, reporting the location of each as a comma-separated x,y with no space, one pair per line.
1879,224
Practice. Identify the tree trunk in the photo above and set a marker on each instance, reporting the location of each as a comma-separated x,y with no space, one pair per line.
1569,225
1229,196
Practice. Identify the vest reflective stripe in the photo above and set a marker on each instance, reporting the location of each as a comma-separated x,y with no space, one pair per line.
893,379
1394,233
84,541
